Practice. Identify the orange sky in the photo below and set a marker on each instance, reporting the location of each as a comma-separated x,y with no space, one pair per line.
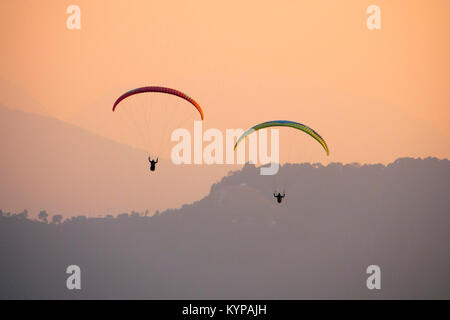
373,95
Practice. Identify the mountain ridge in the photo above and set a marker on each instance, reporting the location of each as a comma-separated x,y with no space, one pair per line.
50,164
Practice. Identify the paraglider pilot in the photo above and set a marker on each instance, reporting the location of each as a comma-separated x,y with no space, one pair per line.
152,163
279,196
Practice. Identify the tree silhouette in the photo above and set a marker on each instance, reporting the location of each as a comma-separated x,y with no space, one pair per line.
43,216
57,218
22,215
134,214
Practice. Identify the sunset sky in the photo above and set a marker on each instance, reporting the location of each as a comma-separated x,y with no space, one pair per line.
374,95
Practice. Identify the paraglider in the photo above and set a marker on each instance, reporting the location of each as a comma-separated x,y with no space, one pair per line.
160,90
285,123
278,196
153,116
152,163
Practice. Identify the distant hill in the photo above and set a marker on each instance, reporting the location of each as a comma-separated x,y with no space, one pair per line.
238,243
52,165
14,96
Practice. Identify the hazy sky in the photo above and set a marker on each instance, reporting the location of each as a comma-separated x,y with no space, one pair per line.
373,95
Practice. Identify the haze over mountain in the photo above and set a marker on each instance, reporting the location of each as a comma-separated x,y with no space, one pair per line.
238,243
16,97
52,165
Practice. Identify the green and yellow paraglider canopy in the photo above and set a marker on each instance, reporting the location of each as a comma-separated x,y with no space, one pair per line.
285,123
